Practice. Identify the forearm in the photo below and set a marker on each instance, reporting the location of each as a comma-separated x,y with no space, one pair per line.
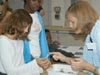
28,68
68,60
92,68
25,69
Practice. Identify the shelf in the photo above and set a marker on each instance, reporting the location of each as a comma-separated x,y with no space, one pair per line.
58,28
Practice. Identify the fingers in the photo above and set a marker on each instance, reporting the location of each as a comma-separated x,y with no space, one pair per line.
47,65
58,56
43,62
55,57
77,59
55,53
77,63
75,68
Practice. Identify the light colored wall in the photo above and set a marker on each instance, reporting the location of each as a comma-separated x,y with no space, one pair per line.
47,8
67,39
95,4
16,4
64,4
64,38
49,13
49,18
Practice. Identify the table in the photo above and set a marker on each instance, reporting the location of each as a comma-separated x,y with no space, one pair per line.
58,28
74,50
61,69
51,72
57,73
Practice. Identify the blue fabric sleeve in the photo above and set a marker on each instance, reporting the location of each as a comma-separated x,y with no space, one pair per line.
43,42
26,51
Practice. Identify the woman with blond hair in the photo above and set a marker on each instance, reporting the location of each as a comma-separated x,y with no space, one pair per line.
83,18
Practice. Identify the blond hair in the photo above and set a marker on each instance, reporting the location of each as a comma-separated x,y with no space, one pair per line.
85,14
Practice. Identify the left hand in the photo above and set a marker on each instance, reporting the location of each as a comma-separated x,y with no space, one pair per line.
79,64
58,56
44,63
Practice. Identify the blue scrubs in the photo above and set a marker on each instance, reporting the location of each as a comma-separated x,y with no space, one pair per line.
93,56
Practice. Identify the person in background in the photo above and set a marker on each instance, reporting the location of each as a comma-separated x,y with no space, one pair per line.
5,11
15,30
49,38
38,7
83,18
54,46
37,35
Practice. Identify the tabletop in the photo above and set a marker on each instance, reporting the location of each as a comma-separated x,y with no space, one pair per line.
78,50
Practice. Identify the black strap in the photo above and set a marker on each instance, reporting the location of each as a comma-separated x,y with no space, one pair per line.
40,8
91,40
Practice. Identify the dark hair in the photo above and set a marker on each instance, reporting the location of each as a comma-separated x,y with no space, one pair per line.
28,6
17,22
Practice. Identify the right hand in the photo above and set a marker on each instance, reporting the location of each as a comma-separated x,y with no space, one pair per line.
43,62
61,57
58,56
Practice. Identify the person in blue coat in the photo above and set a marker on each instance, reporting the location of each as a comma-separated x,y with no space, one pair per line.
37,35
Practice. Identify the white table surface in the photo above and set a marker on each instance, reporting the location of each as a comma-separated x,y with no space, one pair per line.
72,49
58,73
65,68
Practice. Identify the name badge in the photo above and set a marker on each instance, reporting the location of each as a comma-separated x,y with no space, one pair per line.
91,46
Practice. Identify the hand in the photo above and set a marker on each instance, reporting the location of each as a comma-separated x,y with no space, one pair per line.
79,64
43,62
57,56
